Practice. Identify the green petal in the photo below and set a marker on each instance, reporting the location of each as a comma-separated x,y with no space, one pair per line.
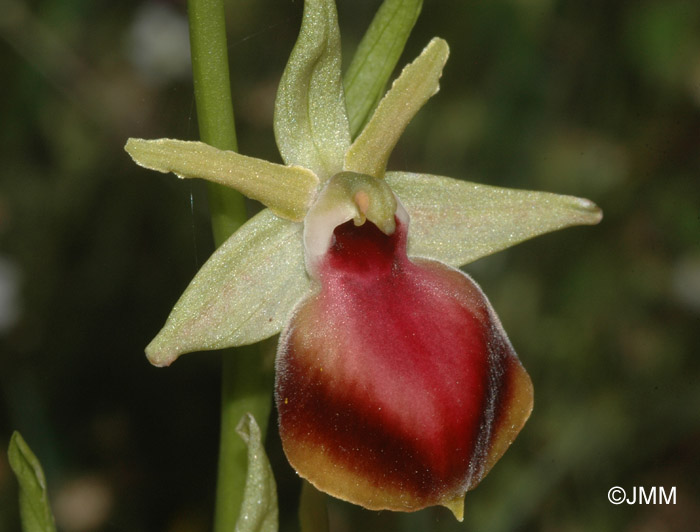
376,58
287,190
243,293
311,125
34,508
416,84
458,222
259,508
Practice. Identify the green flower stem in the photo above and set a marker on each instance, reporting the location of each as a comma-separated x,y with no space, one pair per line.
245,382
313,513
212,91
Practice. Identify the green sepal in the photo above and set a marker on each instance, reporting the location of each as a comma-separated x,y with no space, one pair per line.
310,123
243,293
287,190
457,222
259,508
418,81
376,57
34,508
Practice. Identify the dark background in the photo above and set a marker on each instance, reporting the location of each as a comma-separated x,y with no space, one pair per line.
597,99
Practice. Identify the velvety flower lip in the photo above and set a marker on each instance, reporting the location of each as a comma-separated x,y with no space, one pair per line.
396,385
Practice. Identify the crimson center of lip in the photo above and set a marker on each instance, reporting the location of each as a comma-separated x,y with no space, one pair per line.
362,249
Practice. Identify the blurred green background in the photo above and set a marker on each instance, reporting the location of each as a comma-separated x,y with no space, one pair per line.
597,99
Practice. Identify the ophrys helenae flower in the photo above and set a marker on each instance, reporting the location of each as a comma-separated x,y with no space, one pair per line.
396,385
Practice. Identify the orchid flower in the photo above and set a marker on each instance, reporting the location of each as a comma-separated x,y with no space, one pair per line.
396,385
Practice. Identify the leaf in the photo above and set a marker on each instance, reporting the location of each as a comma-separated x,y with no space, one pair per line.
376,57
311,125
34,508
416,84
458,222
259,508
243,293
287,190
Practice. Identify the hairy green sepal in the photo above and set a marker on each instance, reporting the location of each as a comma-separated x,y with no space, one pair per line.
457,222
34,508
310,123
243,293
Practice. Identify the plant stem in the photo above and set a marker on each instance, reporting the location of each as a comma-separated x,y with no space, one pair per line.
246,383
212,91
313,514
